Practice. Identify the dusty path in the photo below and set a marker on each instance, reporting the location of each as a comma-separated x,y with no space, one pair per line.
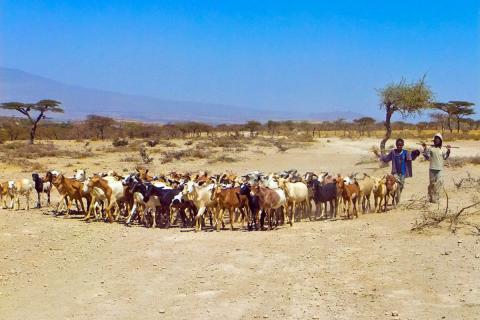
368,268
55,268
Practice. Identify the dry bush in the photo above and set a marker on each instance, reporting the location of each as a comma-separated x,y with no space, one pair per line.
119,142
226,142
81,154
129,159
467,182
195,153
458,162
301,138
132,146
166,143
188,142
151,143
434,217
144,155
281,147
264,143
241,149
223,158
32,166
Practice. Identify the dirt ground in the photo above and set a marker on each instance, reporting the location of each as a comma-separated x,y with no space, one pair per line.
372,267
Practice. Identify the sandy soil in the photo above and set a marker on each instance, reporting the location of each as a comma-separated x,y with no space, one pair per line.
368,268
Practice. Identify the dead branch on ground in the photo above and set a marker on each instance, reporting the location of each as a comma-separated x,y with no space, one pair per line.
433,217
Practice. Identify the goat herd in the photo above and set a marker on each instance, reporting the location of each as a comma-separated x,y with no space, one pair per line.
186,198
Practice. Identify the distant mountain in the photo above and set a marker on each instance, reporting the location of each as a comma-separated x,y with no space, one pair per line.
17,85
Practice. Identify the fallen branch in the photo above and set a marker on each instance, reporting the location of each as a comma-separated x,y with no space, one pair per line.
432,218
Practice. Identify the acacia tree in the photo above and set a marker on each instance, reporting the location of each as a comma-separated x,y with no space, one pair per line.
29,110
440,119
449,109
272,127
99,124
408,99
461,110
365,124
253,126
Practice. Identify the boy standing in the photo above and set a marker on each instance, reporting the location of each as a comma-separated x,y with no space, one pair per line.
401,163
436,158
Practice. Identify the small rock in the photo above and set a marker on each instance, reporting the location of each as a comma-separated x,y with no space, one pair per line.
394,313
477,256
265,316
161,311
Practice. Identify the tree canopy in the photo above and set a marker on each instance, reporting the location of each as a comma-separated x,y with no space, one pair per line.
408,99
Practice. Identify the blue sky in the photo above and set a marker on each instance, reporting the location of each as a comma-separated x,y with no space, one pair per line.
305,55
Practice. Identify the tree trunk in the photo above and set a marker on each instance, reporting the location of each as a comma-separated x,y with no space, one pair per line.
458,124
449,123
388,129
32,132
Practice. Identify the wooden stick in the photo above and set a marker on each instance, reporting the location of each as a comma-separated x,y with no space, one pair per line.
451,147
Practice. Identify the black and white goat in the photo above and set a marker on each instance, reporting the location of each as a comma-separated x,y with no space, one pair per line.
42,186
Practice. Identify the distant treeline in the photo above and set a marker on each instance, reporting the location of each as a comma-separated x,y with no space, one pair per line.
100,127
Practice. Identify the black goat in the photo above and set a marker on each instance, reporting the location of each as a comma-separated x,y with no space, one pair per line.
253,204
42,186
323,194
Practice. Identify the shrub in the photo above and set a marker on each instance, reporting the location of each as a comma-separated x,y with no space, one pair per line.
458,162
144,155
169,156
129,159
152,143
301,138
119,142
223,158
226,142
166,143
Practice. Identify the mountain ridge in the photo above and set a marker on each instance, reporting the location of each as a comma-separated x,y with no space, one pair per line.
79,101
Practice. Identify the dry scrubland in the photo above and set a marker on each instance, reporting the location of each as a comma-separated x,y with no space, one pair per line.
373,267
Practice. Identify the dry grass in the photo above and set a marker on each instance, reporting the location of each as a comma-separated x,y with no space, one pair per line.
458,162
21,150
129,159
303,137
191,153
226,142
166,143
223,158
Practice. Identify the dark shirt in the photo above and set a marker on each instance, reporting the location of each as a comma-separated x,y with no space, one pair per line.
401,161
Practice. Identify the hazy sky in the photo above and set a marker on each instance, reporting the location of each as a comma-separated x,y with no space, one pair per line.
309,55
